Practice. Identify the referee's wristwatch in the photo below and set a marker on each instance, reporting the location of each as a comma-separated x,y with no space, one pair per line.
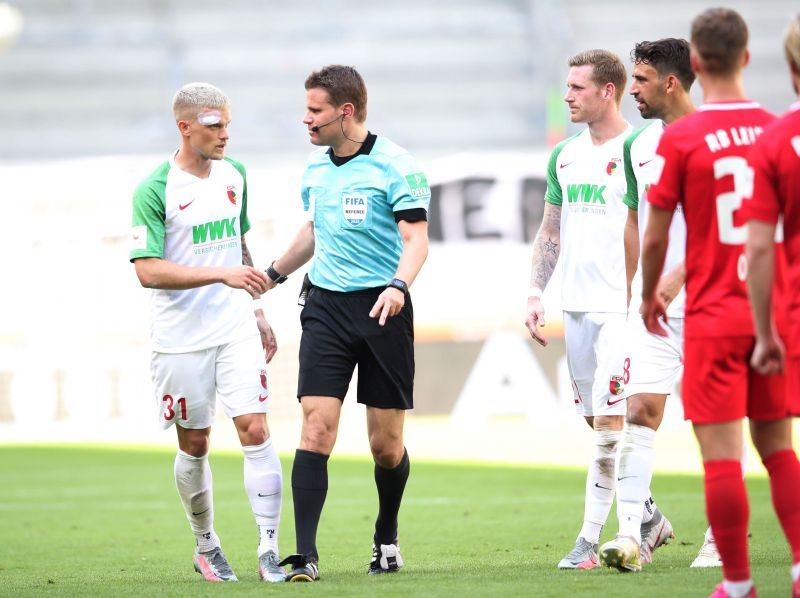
398,284
274,275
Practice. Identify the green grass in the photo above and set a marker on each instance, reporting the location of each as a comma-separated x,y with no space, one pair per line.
97,521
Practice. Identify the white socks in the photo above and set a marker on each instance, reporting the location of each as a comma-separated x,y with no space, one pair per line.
600,484
633,479
263,481
193,480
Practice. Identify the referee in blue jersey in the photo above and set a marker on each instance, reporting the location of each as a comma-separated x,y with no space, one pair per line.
366,200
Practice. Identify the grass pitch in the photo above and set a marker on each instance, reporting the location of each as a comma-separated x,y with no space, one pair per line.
97,521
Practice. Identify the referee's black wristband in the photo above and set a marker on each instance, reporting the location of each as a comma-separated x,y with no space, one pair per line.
274,275
398,284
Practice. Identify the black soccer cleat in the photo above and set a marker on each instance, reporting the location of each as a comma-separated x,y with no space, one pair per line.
304,568
386,558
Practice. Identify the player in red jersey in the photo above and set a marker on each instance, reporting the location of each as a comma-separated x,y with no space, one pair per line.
703,163
775,159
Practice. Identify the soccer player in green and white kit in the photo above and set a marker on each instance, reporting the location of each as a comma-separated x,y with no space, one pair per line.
584,212
662,78
189,221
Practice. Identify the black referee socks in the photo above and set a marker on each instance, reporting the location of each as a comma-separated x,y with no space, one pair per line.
309,489
391,483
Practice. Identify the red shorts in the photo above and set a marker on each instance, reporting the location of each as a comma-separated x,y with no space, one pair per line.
719,385
792,375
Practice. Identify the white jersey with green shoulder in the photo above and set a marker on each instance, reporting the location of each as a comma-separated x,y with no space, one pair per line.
194,222
639,150
588,182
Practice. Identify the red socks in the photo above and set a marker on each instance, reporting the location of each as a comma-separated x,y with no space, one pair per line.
728,512
784,480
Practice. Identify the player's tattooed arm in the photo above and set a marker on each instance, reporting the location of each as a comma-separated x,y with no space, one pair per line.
546,246
247,259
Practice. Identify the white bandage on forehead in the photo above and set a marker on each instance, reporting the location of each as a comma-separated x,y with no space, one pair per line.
209,117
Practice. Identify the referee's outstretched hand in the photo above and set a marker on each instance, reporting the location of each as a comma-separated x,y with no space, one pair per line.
389,303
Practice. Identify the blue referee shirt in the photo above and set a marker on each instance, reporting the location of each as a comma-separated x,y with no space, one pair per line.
355,204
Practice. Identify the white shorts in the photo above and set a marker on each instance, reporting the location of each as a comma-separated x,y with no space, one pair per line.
187,384
595,354
654,363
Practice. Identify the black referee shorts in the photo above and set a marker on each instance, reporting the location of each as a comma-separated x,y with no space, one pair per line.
338,334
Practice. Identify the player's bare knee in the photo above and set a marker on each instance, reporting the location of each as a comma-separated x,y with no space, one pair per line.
638,413
608,423
193,442
318,436
387,451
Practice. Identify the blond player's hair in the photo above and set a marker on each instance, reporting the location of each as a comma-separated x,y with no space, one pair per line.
193,97
606,68
791,43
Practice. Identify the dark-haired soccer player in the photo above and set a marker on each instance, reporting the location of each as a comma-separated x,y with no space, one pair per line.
366,201
584,212
662,77
776,194
702,164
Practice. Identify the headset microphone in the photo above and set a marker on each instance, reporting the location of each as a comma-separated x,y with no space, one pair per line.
330,122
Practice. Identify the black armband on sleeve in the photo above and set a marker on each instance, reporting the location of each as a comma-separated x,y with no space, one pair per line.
412,215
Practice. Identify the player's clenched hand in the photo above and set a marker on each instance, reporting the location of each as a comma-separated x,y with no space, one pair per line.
768,356
535,319
246,277
389,303
267,336
653,311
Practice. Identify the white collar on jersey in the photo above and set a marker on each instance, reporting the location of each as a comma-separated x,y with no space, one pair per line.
795,106
729,106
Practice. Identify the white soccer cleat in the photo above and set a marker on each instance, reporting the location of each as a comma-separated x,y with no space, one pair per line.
622,553
656,532
213,565
583,556
708,556
269,569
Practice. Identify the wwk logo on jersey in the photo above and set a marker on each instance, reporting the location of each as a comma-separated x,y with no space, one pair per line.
215,230
354,208
585,193
418,184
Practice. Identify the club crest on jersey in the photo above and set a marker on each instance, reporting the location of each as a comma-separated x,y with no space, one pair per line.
354,208
612,166
615,386
263,379
232,194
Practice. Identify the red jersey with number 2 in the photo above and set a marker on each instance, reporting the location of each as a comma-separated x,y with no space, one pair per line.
776,162
703,165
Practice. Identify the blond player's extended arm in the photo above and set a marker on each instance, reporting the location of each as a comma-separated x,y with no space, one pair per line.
157,273
546,249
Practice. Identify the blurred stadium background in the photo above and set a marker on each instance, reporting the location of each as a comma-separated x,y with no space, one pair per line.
472,87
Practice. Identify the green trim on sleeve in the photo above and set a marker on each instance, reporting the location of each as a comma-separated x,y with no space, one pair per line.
631,198
149,215
553,195
244,221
